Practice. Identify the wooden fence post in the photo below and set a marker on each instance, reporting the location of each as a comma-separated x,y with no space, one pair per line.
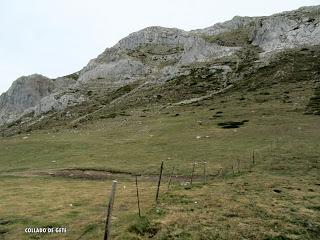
138,199
109,214
159,183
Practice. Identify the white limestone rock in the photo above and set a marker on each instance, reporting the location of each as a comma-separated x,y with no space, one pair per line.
197,49
24,93
55,102
27,92
288,30
154,35
231,25
116,73
147,56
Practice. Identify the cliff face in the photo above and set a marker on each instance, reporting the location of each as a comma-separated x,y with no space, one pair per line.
25,93
156,55
288,30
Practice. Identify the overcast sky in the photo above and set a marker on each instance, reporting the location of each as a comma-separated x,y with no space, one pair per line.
58,37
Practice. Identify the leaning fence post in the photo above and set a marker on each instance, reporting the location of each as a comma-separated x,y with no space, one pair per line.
159,182
170,178
138,199
110,206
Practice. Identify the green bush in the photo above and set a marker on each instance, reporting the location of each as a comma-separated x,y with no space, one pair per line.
143,227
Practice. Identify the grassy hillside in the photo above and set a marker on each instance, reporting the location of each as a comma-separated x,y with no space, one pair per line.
62,176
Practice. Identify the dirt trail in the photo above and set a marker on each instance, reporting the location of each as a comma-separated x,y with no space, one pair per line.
93,174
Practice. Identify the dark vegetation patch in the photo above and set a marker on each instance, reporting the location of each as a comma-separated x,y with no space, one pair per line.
231,215
232,124
218,114
3,226
3,230
277,190
143,226
316,208
277,238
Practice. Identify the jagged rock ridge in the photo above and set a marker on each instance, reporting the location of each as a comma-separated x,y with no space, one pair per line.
156,56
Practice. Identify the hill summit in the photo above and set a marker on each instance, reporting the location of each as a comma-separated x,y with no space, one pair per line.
166,66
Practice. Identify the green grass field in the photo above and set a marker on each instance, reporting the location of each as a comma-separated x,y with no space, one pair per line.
276,198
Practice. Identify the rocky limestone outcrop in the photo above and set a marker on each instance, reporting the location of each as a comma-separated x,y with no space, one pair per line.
198,49
57,102
231,25
27,92
115,74
288,29
155,55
